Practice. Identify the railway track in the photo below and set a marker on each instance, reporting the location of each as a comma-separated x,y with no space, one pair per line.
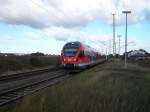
26,74
16,86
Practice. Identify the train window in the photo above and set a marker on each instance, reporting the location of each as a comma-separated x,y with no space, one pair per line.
70,52
81,54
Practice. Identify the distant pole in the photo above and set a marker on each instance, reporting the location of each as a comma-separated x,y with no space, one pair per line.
119,44
126,12
114,34
109,46
106,52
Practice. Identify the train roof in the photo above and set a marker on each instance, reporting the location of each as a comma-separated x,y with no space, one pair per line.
78,44
74,44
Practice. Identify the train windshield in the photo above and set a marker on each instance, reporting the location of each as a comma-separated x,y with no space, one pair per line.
70,52
70,49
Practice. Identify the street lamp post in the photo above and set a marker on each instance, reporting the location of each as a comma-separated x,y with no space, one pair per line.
114,34
126,12
119,44
109,46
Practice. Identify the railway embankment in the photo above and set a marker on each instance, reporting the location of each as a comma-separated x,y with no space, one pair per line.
108,87
10,64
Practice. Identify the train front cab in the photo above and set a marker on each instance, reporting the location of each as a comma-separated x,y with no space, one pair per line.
75,62
72,54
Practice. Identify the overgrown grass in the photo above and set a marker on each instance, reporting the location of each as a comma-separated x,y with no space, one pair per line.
107,87
14,63
143,63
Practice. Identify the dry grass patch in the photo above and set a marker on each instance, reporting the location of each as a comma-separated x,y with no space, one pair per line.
108,87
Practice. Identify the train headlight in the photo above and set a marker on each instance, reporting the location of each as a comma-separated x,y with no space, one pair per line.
74,60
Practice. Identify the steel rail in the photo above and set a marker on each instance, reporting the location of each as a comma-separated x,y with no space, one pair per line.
25,74
16,93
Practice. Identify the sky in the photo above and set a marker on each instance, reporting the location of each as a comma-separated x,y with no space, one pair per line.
28,26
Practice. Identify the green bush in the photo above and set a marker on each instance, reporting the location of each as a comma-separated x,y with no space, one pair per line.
35,62
14,63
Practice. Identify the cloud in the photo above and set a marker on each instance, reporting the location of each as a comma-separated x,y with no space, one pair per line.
70,13
137,8
21,12
32,35
44,13
147,10
68,34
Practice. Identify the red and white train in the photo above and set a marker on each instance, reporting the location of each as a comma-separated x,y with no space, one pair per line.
78,55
